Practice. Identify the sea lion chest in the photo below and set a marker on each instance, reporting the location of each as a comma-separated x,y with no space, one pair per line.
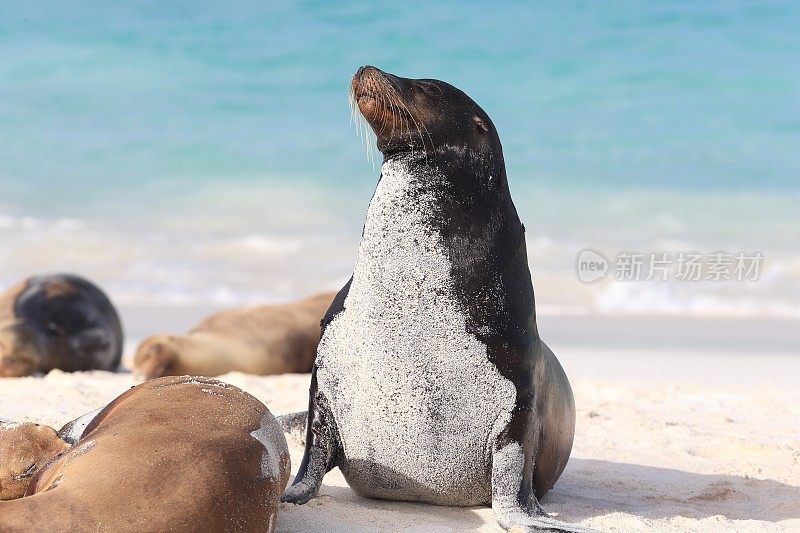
416,400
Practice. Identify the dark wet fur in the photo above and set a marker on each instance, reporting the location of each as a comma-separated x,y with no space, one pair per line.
74,323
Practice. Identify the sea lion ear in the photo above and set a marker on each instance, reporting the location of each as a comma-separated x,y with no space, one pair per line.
480,123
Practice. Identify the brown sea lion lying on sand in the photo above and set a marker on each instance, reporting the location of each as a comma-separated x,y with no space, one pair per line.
57,321
172,454
265,339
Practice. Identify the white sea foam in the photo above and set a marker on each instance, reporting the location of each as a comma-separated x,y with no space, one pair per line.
7,222
269,245
686,299
221,262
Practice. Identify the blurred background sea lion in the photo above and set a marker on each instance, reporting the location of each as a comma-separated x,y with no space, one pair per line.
57,321
266,339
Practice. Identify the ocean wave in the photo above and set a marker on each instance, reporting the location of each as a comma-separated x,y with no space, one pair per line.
27,223
262,244
174,263
673,299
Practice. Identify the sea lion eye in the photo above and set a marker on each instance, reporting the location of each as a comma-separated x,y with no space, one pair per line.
479,122
429,89
28,472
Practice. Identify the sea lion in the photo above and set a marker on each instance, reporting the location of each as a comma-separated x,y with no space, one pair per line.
172,454
264,339
24,449
57,321
431,382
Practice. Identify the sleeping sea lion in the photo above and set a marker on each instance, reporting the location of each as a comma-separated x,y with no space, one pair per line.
58,321
172,454
264,339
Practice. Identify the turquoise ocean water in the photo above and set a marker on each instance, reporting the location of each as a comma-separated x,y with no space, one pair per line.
185,152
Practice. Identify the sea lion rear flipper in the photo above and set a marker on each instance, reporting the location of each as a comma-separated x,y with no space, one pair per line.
73,431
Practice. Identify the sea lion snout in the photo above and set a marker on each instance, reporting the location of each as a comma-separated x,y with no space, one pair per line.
367,87
362,79
24,450
18,355
13,366
380,95
156,357
386,102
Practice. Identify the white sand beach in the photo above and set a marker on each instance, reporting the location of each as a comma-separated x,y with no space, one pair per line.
674,439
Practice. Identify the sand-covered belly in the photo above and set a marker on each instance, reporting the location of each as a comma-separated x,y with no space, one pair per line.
417,414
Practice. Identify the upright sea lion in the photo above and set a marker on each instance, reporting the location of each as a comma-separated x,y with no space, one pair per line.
264,339
431,382
172,454
57,321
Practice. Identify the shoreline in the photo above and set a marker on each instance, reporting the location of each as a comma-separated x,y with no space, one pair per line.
582,330
614,347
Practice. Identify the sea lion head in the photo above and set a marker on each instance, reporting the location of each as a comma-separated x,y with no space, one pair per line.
24,450
19,353
74,322
157,356
421,115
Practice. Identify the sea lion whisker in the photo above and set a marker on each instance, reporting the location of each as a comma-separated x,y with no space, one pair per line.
368,140
359,126
394,111
384,107
419,132
406,127
408,120
351,102
430,137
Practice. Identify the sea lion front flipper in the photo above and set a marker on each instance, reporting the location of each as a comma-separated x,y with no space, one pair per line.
322,436
293,422
513,501
322,448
